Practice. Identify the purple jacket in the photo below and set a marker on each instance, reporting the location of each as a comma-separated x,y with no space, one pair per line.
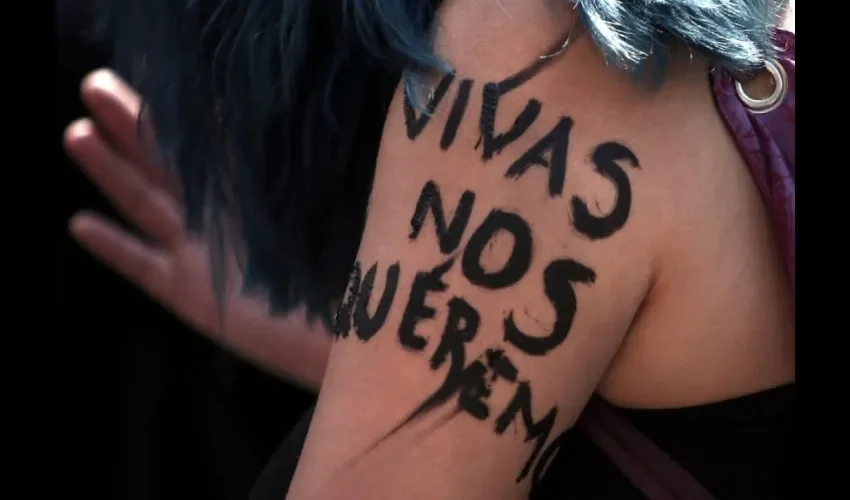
767,142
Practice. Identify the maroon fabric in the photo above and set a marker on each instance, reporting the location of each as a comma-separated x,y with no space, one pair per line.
767,143
648,467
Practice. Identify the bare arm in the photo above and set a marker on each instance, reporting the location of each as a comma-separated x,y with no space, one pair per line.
504,258
166,263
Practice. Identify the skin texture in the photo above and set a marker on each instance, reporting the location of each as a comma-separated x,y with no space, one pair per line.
267,342
164,262
662,320
688,304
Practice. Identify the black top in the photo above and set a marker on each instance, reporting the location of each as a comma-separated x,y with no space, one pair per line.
740,449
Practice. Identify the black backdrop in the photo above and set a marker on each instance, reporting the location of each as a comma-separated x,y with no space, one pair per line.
150,409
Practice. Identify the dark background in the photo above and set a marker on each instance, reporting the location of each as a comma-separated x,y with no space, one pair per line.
150,409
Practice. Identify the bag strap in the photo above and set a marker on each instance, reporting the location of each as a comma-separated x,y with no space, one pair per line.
646,465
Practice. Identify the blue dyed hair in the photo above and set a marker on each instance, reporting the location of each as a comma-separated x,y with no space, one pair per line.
270,111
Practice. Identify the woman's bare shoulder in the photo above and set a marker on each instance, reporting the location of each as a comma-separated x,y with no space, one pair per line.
510,243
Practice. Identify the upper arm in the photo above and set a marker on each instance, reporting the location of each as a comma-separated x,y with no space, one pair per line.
499,271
